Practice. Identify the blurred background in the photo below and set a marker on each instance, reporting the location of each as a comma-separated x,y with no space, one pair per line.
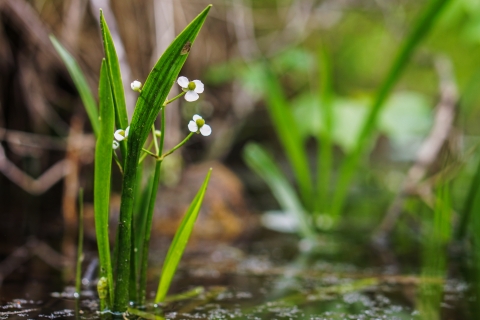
46,142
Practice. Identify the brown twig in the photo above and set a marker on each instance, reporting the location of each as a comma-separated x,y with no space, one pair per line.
74,13
29,184
32,140
428,153
70,190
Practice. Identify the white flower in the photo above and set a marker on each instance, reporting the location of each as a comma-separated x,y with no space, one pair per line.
136,86
115,145
121,134
192,88
198,124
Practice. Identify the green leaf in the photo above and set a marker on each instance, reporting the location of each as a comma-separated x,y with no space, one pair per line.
422,26
288,133
407,116
153,95
80,83
260,161
180,241
115,77
103,167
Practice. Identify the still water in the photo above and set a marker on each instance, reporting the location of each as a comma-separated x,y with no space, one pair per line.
271,277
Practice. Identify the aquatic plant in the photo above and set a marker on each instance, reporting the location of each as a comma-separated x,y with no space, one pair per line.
123,274
321,201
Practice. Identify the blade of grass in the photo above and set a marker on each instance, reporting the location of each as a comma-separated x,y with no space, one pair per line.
151,99
102,174
421,28
289,136
180,241
115,77
471,206
80,83
78,276
324,139
434,264
261,163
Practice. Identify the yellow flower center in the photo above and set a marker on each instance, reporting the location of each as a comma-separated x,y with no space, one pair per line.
200,122
192,85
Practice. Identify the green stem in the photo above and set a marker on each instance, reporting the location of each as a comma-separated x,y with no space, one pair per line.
324,167
149,152
117,161
154,139
422,27
143,156
176,147
174,98
124,231
149,218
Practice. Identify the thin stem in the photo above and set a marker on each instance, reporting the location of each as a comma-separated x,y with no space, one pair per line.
78,278
149,152
117,161
176,147
155,142
174,98
143,156
162,131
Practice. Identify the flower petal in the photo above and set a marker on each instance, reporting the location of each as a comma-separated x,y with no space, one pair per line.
205,130
115,145
199,87
119,135
196,117
183,82
126,131
191,96
192,126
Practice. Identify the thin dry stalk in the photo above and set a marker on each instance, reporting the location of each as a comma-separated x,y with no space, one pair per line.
74,13
428,153
27,183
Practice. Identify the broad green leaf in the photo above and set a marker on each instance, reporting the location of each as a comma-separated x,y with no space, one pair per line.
262,164
289,135
407,115
153,95
80,83
307,113
102,174
180,241
349,116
